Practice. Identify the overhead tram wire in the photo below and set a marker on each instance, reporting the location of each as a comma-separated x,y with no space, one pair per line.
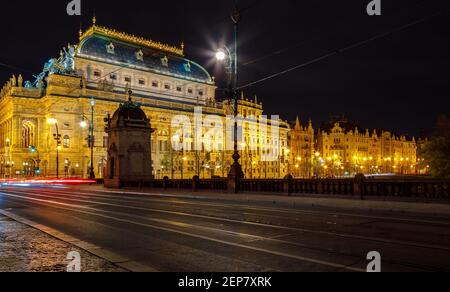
283,50
342,50
15,68
279,52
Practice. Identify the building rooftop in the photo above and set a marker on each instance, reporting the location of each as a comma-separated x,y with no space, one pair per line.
118,48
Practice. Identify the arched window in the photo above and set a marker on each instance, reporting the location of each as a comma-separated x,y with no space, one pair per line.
66,141
27,134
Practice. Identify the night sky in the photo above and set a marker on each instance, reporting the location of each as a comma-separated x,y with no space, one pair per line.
400,82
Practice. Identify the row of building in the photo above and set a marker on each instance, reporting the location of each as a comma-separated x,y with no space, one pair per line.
44,124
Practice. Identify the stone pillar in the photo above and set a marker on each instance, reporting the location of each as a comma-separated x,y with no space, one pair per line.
358,186
288,184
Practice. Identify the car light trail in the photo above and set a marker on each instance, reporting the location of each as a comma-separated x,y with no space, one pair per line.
36,182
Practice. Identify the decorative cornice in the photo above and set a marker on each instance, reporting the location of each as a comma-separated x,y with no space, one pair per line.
121,36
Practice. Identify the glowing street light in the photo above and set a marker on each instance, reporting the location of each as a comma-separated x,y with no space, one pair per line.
52,121
83,124
220,55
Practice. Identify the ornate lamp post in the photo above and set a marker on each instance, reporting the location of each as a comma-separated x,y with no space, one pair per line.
33,149
7,158
236,172
91,137
57,138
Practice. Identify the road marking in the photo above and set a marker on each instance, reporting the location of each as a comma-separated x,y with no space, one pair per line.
303,230
148,197
282,254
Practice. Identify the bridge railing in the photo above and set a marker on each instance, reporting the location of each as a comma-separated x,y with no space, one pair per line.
411,188
352,187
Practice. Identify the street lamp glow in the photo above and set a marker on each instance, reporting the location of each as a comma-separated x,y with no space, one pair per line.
52,121
220,55
83,124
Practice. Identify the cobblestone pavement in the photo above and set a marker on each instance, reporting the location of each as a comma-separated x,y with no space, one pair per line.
25,249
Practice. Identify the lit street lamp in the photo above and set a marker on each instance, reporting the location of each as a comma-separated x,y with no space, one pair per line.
91,137
236,172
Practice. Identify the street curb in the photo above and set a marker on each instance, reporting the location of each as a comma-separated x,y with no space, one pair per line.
114,258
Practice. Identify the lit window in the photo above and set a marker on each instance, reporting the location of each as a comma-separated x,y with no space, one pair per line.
66,141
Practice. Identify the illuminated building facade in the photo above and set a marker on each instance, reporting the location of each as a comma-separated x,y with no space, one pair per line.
302,148
343,148
46,115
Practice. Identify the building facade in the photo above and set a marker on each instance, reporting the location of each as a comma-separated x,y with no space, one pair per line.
345,149
40,121
302,147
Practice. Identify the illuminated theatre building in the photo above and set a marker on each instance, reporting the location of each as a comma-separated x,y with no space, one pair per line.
101,69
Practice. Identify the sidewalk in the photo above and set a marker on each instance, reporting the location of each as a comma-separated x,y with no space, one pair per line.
25,249
297,201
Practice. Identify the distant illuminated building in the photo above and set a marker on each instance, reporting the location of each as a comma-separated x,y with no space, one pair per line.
345,148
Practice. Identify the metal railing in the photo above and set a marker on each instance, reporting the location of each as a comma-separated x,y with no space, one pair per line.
359,187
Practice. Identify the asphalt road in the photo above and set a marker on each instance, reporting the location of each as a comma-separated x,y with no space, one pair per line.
177,234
